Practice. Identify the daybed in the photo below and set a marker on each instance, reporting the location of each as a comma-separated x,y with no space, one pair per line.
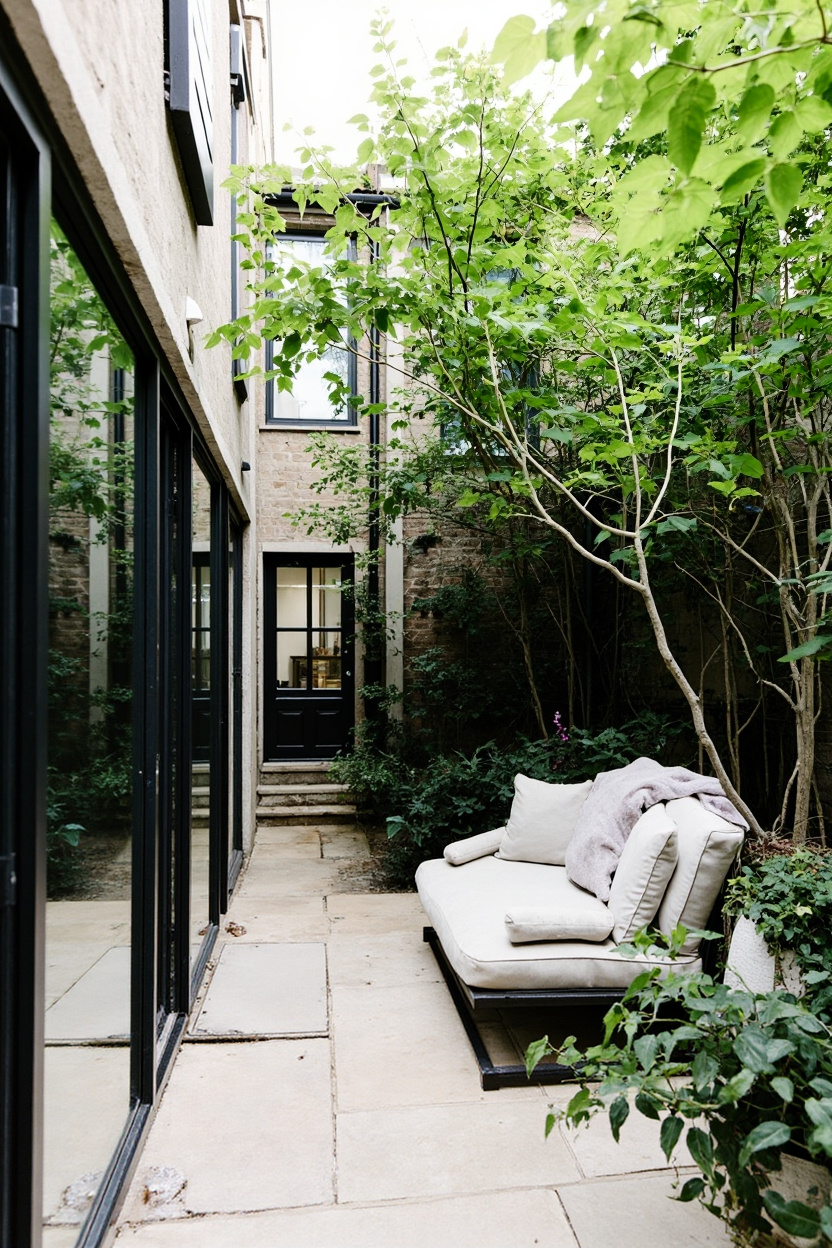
509,932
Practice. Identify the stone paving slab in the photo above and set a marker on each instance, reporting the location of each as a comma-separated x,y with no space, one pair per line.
598,1155
639,1213
531,1219
265,990
443,1150
369,914
386,1050
274,879
391,961
288,850
86,1103
249,1125
97,1006
294,919
346,844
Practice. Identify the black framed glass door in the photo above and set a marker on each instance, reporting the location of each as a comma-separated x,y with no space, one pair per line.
309,694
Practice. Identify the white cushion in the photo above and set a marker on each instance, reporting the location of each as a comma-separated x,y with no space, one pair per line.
473,847
579,922
467,907
707,845
644,868
542,820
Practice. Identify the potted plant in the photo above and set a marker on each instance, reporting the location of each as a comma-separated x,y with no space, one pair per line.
744,1077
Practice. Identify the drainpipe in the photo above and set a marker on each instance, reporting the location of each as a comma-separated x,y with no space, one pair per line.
373,663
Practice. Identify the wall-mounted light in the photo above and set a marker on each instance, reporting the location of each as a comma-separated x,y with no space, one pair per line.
193,312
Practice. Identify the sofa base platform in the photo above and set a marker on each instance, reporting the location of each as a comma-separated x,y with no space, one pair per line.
471,1001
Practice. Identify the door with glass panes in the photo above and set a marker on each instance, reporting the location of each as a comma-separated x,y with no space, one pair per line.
308,662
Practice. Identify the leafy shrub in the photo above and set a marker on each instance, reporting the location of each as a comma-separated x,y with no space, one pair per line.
426,804
789,898
750,1075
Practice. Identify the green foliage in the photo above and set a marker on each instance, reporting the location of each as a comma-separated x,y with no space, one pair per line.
736,92
739,1078
426,802
789,898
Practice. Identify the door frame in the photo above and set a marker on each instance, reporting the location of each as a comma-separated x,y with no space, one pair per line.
306,559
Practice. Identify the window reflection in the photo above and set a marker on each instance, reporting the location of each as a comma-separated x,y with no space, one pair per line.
90,730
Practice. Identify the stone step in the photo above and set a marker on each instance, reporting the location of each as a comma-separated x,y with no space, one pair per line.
287,816
275,795
293,773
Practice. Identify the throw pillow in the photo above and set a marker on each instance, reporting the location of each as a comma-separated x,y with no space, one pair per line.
525,924
542,820
646,864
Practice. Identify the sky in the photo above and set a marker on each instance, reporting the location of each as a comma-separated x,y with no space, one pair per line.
322,56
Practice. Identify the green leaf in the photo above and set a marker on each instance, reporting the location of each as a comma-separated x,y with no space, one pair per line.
784,1088
669,1135
691,1190
535,1054
795,1218
704,1070
645,1049
764,1135
751,1047
813,114
780,346
365,151
291,345
687,122
784,135
746,466
783,184
676,524
619,1112
686,211
812,646
701,1149
742,180
519,48
652,116
755,109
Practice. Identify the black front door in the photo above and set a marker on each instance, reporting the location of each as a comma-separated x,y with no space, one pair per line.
309,645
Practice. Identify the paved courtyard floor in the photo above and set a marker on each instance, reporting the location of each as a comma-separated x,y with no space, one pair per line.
327,1096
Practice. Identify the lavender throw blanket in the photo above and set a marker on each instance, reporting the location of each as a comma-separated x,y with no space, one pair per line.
613,807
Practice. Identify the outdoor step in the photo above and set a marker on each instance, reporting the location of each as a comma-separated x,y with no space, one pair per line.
278,795
275,816
294,773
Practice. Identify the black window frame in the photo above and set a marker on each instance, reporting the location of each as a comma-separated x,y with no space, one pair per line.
350,423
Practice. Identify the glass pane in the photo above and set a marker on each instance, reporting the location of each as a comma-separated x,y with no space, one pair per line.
326,660
201,703
291,597
291,660
326,597
309,400
90,732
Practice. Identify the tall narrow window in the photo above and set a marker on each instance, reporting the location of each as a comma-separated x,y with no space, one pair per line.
308,400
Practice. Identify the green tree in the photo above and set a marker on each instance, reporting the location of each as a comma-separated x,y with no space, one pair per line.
624,387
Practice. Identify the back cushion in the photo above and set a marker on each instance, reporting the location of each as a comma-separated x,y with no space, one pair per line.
542,820
707,847
644,868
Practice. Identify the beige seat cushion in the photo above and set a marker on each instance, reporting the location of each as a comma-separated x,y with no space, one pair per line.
644,868
467,907
707,845
542,820
473,847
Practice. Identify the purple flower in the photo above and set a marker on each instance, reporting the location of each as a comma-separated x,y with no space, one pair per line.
559,728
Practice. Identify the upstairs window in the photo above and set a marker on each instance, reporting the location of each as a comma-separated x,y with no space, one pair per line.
308,403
